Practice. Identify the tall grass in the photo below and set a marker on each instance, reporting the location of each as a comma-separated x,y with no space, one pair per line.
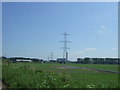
36,75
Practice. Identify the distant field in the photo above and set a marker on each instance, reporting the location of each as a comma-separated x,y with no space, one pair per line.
98,66
49,75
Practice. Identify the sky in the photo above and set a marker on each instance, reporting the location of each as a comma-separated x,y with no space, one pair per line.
32,29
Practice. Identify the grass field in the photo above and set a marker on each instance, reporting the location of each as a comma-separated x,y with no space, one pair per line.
98,66
49,75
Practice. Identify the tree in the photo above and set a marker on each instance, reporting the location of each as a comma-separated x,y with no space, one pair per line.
3,57
80,60
87,60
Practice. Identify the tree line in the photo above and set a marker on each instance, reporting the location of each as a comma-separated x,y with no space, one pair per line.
13,59
88,60
85,60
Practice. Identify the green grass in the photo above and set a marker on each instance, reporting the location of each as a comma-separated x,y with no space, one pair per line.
37,75
98,66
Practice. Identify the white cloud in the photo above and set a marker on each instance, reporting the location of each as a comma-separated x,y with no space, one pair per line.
99,31
90,49
103,26
113,48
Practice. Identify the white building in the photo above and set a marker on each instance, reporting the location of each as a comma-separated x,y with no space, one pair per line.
23,60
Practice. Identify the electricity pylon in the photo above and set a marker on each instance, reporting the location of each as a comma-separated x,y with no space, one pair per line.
51,56
65,48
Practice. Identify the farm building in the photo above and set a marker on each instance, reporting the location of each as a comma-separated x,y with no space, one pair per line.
22,60
14,59
61,60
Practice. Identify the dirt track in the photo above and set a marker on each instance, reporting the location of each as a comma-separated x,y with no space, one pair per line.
74,67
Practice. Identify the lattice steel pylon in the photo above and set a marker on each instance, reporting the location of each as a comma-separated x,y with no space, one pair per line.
51,56
65,48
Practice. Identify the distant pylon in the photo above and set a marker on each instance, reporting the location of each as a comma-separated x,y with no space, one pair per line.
51,55
48,58
65,48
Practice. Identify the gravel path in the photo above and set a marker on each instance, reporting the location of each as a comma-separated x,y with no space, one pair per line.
75,67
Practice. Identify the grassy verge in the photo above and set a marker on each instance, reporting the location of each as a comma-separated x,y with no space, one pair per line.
36,75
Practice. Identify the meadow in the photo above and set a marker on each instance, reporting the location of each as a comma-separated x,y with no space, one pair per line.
52,75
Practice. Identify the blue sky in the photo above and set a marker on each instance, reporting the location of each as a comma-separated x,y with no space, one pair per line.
34,29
